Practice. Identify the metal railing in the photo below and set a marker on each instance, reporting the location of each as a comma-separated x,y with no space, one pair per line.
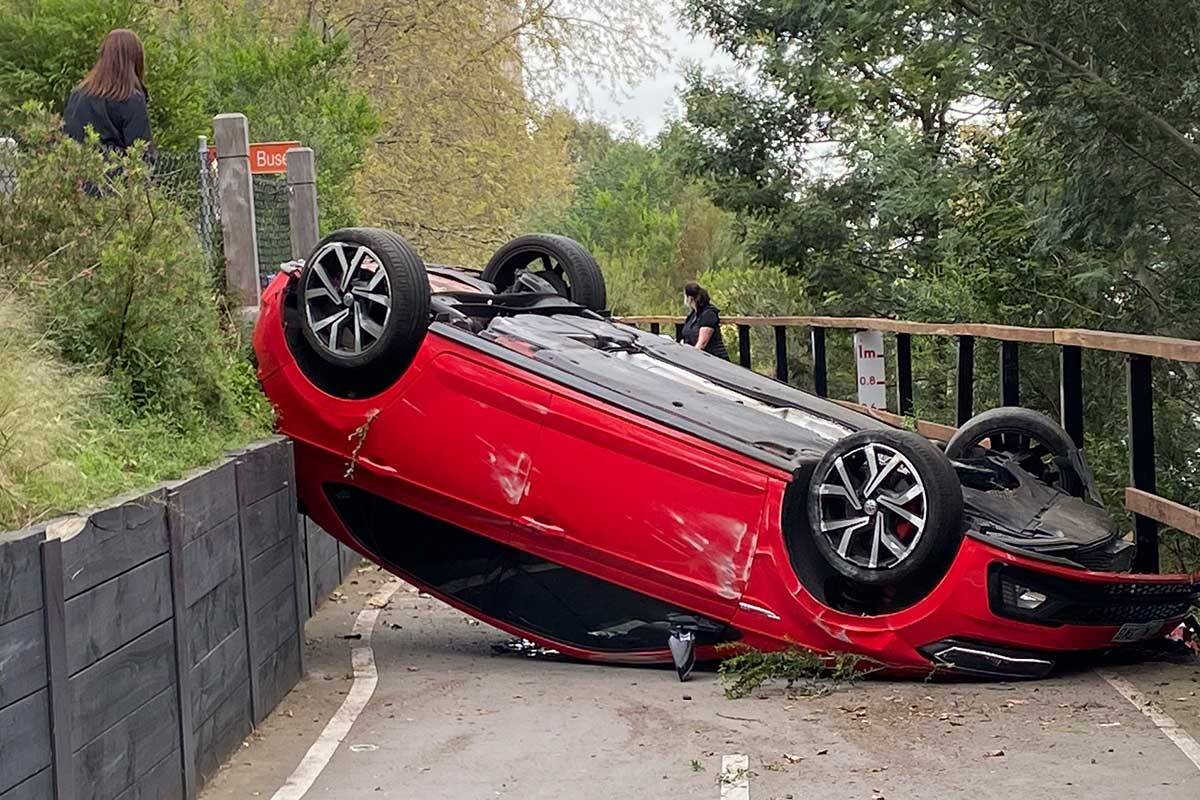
1149,510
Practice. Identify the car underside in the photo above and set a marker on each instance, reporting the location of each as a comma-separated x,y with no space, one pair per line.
608,493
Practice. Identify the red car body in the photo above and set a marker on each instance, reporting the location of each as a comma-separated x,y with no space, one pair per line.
569,478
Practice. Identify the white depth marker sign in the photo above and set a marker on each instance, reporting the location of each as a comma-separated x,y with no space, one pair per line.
872,381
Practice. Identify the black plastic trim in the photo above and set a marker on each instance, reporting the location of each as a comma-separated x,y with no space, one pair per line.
1070,602
989,660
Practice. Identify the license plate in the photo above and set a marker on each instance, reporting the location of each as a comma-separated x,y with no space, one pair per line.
1135,631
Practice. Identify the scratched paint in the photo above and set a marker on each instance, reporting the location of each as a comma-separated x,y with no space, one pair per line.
715,540
510,469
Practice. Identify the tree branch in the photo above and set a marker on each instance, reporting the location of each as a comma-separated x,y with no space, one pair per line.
1085,73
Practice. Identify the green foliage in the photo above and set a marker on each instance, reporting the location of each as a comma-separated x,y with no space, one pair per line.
651,227
294,86
1020,162
152,380
47,46
291,85
804,672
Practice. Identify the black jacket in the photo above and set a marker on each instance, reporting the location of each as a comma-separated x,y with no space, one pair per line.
119,123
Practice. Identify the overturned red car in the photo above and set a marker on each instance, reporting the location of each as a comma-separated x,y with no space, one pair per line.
495,439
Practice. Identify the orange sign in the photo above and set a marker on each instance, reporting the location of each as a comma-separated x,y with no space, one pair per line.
266,158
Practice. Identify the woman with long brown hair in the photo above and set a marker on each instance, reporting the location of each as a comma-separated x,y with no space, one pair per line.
112,98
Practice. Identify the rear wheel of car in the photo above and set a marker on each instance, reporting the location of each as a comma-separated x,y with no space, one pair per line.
363,302
885,508
563,263
1036,443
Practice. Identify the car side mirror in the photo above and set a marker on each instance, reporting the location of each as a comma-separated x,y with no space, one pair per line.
683,652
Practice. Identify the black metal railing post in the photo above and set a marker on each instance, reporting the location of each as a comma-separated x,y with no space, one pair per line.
904,379
678,331
1070,372
655,328
965,401
781,364
1010,374
820,377
744,345
1141,456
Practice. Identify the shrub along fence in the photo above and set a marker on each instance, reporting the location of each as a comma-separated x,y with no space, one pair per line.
140,644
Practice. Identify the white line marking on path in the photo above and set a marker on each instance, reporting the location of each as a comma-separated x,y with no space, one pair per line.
735,777
362,658
1182,739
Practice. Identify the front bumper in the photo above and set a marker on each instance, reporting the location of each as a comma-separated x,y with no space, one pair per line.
1103,610
1020,593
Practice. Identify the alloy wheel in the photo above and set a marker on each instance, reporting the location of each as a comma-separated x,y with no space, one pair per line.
347,298
872,506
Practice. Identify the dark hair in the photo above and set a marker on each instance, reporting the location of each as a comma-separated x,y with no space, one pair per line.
695,290
120,70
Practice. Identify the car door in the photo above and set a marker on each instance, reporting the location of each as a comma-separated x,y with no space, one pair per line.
647,507
461,440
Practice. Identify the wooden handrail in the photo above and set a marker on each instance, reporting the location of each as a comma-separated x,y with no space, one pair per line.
1156,346
1137,501
1168,512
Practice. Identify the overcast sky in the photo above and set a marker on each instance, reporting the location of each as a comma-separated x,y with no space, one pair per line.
651,103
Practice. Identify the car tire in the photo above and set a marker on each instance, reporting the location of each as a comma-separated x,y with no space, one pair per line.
1038,443
372,319
915,503
565,264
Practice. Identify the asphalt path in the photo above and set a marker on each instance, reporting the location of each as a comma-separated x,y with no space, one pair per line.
406,698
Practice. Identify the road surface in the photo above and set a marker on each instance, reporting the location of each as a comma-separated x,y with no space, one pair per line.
451,720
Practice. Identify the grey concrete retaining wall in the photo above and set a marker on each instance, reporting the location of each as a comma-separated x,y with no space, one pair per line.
140,644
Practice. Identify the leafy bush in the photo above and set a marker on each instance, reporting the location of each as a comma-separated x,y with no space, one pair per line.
113,282
297,87
47,46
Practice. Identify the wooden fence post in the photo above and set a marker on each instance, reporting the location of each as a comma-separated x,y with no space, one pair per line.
299,562
59,694
237,209
303,215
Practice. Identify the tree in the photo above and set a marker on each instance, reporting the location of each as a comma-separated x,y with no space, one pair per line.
470,143
648,223
1020,161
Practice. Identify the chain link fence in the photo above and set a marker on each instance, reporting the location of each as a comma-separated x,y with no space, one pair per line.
8,165
190,179
272,223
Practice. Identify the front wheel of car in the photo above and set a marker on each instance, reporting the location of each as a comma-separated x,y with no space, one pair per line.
885,508
558,263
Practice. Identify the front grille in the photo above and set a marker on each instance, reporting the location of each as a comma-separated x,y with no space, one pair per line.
1069,602
1116,556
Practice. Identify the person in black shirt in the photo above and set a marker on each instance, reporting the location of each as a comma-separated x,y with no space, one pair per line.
702,328
111,99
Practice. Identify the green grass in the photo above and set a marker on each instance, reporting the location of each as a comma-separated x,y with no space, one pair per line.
69,440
